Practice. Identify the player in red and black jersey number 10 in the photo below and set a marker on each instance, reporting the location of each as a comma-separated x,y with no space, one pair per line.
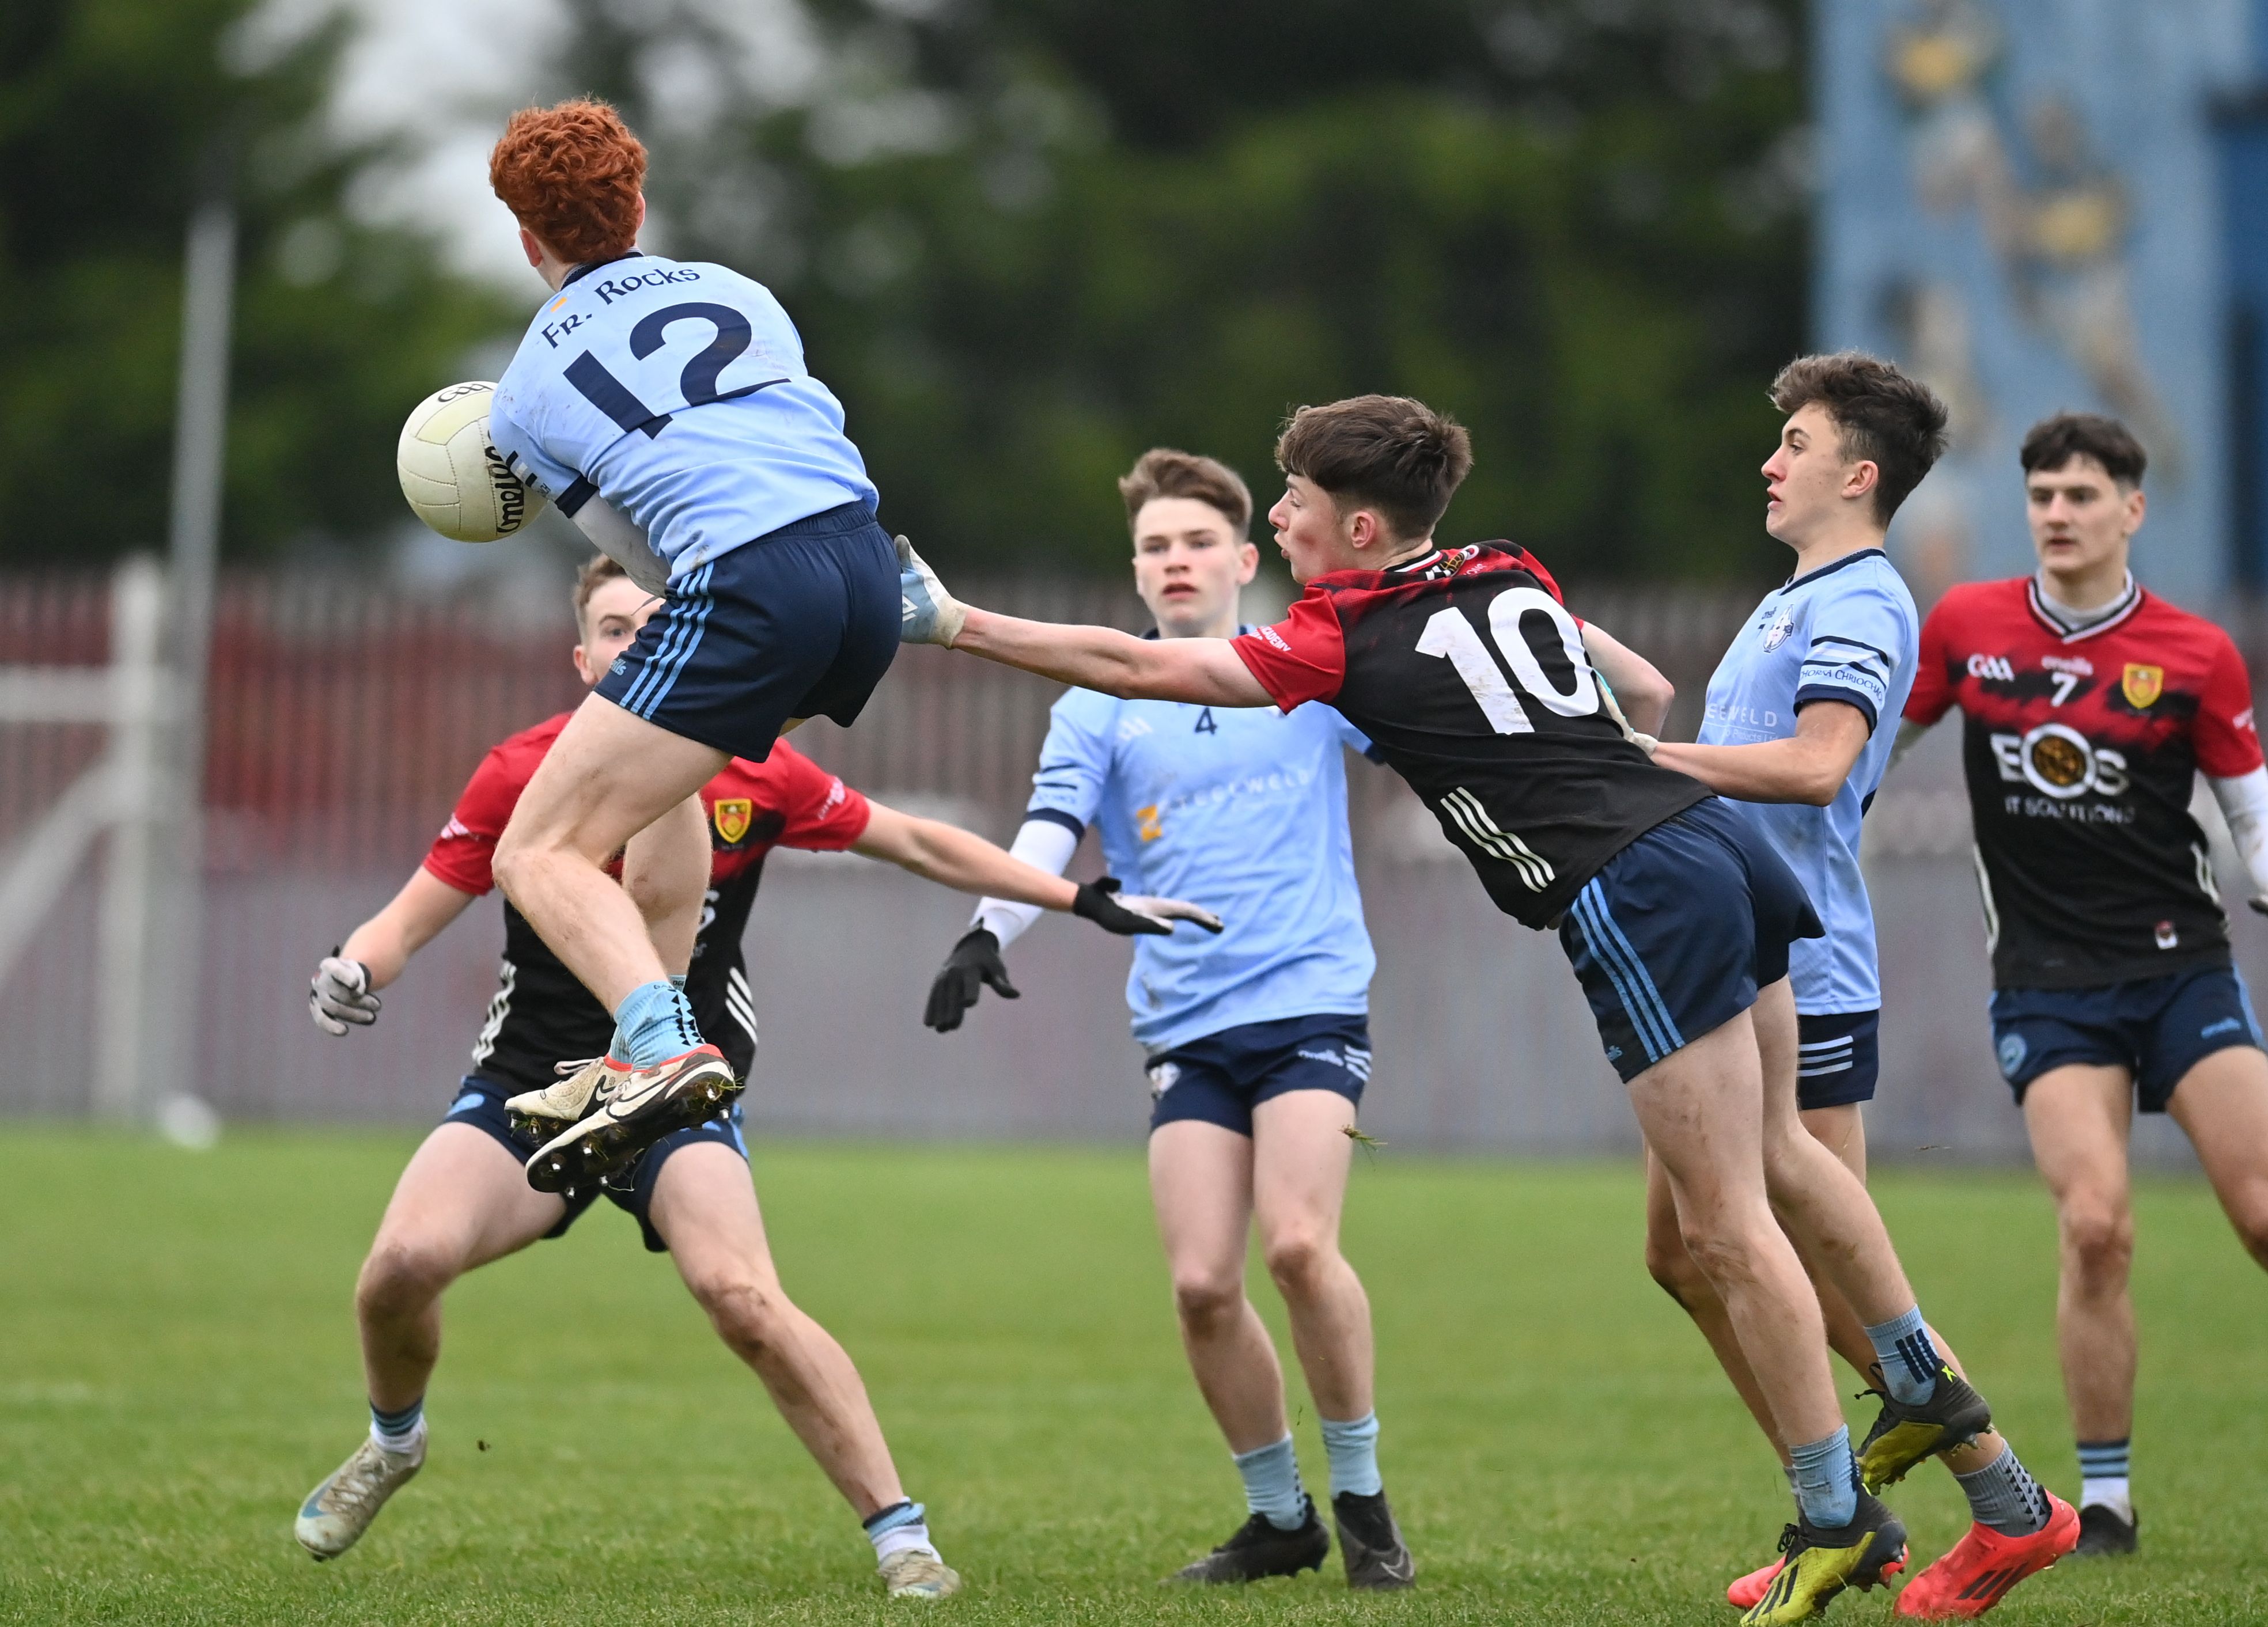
2090,708
463,1201
1465,669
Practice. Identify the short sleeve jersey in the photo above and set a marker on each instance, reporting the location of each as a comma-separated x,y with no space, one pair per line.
675,393
1241,811
541,1013
1848,632
2081,751
1469,675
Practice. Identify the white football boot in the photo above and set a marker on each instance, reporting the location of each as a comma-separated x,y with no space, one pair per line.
645,1106
339,1511
917,1573
540,1115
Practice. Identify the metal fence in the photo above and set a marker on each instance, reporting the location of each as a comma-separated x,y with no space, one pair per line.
344,718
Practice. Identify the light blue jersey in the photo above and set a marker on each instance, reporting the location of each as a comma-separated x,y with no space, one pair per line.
672,396
1242,810
1846,632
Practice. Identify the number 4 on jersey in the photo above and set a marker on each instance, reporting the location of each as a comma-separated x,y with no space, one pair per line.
1207,723
1448,634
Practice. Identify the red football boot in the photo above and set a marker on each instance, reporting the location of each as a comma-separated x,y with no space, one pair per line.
1984,1566
1742,1595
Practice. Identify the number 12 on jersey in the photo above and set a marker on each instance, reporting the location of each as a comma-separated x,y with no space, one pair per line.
1448,634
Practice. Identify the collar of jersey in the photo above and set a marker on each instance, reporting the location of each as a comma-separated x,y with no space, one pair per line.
1833,566
589,266
1439,562
2131,601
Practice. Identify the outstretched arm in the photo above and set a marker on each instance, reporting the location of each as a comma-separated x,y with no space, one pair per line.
1205,671
1808,766
962,859
342,991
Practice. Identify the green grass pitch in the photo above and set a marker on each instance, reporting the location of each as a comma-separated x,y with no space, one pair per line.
177,1367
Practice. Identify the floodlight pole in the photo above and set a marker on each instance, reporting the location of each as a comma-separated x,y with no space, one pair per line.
168,1000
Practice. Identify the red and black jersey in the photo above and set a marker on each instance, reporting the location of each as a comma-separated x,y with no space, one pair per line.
541,1013
1466,671
2081,749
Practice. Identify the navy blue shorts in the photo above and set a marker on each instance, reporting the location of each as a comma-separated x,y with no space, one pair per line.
801,623
1837,1058
1219,1079
480,1103
2157,1028
1677,933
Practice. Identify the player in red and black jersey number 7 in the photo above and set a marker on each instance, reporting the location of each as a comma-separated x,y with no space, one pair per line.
2090,707
463,1201
1465,669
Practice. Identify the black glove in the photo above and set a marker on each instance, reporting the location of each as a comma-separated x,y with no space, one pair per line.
975,961
1095,904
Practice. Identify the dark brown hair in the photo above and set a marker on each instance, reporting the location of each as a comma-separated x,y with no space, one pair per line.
1386,453
572,174
1882,416
600,571
2051,443
1163,472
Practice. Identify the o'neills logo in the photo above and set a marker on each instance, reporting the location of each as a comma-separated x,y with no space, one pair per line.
511,494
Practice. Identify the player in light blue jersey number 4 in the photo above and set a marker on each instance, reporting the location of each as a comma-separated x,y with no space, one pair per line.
1802,714
1258,1040
665,406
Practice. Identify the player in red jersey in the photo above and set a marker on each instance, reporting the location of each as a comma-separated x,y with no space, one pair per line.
1466,671
2089,707
464,1200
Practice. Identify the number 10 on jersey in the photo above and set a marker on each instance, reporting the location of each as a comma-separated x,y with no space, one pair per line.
1448,634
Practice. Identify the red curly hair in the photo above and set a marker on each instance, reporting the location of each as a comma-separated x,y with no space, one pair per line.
572,174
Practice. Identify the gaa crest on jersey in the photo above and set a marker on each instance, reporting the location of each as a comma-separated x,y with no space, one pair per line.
732,816
2142,685
1782,625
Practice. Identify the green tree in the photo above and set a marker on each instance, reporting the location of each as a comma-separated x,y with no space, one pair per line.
114,114
1027,240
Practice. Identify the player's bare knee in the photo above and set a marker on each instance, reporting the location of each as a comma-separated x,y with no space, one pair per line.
2251,1223
403,1274
749,1315
1298,1260
1205,1299
2098,1241
1673,1269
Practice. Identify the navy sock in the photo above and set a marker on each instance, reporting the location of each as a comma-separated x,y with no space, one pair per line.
1910,1363
1826,1481
398,1432
656,1023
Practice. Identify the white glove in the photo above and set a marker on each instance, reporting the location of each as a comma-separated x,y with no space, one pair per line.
339,994
1169,911
926,612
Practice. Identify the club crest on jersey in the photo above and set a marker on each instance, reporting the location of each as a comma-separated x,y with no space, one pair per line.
2142,685
1782,625
734,815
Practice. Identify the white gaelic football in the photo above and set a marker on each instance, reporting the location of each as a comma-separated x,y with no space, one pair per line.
451,474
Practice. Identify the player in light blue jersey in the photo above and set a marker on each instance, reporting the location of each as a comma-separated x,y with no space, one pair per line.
666,408
1258,1040
1802,718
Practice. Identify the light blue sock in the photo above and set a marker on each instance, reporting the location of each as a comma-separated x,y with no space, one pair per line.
1353,1449
656,1023
398,1432
1910,1360
617,1048
1271,1485
1826,1481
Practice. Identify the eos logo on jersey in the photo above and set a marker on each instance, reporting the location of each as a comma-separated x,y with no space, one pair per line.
2061,761
1995,667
